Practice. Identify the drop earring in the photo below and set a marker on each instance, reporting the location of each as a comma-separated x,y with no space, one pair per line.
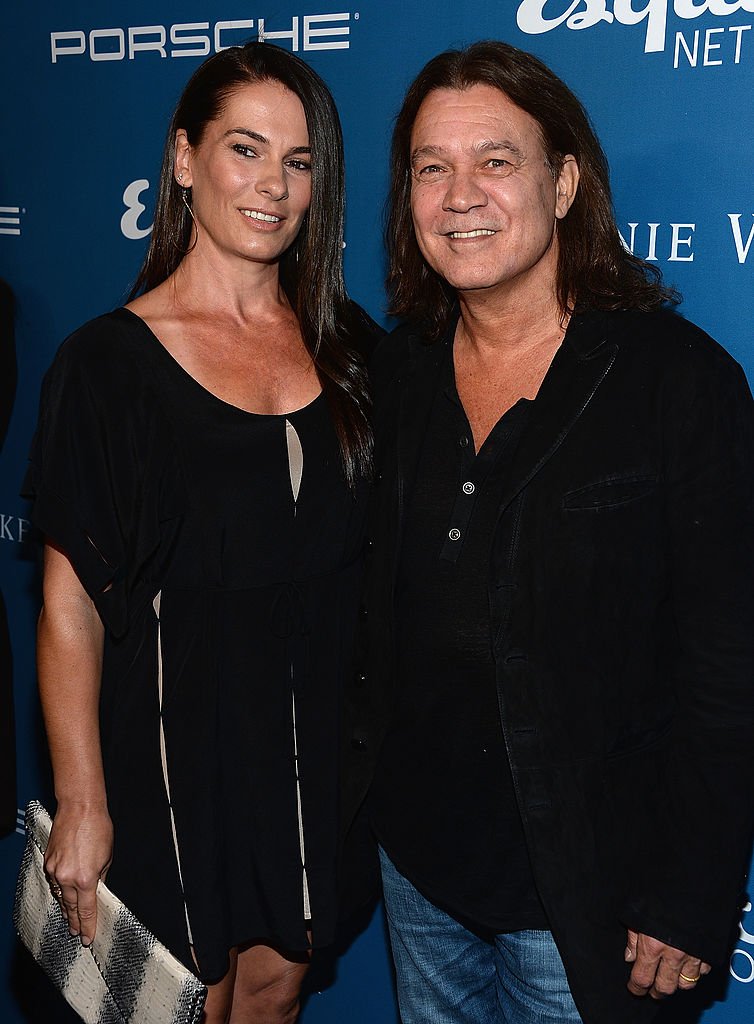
187,204
184,197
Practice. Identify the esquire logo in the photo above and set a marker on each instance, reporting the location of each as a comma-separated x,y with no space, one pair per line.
742,961
129,223
581,14
199,38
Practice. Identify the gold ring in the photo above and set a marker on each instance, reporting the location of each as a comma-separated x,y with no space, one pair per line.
691,981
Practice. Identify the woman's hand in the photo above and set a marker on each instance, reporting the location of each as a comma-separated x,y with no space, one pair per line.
78,855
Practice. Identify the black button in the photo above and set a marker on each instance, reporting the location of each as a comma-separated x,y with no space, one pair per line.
463,441
514,656
358,741
368,543
363,613
360,678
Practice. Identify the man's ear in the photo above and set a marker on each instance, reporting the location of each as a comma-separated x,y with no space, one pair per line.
567,185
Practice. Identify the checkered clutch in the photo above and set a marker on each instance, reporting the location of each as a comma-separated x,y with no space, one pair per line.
126,976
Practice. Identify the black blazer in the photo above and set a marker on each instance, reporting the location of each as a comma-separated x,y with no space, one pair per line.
621,592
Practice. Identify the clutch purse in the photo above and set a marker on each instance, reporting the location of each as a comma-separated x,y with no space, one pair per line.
126,976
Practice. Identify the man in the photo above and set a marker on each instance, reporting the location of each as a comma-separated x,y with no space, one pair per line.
561,654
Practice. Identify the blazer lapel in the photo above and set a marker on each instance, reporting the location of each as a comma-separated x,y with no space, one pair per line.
579,367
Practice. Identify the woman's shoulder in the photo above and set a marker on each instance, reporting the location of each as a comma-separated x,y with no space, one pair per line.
102,336
106,367
107,351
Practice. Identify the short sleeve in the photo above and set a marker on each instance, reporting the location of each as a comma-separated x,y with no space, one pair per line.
102,475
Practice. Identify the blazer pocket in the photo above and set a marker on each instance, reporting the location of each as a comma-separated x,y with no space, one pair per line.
607,494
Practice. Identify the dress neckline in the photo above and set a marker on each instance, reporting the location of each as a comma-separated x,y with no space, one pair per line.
183,372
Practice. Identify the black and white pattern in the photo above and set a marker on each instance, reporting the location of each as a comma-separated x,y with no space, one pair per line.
125,976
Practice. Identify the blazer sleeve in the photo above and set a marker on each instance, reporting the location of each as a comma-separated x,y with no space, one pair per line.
687,890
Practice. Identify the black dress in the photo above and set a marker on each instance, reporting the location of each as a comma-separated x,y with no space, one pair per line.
222,550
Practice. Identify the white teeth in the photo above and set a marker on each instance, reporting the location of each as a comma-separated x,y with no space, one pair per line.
256,215
471,234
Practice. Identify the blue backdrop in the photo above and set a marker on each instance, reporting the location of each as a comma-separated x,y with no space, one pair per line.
87,90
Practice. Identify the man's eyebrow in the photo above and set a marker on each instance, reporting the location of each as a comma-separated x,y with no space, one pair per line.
493,146
250,134
425,151
488,146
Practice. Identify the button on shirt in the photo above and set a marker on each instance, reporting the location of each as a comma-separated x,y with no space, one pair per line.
443,803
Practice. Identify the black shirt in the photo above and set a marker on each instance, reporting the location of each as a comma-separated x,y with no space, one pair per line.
443,802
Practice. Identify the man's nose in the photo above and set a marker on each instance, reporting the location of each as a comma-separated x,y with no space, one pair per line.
464,193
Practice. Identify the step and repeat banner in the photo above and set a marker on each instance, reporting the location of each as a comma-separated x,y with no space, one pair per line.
87,90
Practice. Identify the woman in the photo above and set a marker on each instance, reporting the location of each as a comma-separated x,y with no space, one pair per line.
199,473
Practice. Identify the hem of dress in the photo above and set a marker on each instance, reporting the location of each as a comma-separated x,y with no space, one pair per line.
214,974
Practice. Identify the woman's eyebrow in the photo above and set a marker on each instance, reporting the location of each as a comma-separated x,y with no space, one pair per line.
257,137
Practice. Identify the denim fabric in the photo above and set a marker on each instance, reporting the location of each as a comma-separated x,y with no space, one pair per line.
449,975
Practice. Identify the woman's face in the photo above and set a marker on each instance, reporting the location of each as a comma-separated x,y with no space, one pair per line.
250,176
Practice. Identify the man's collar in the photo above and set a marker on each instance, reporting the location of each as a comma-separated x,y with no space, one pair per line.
587,333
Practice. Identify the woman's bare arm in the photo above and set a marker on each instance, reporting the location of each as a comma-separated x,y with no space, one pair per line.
69,659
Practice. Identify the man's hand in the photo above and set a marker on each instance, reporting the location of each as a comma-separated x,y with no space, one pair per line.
660,969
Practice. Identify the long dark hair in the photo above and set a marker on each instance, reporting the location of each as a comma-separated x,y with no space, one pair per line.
311,270
594,270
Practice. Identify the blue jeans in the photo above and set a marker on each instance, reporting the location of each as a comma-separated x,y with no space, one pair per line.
449,975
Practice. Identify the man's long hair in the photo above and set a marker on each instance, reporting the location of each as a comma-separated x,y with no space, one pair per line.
311,270
594,270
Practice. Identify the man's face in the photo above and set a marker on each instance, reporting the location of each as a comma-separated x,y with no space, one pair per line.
485,204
